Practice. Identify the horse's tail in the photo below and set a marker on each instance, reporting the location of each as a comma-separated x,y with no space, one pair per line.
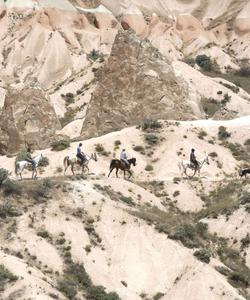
16,167
112,163
180,166
66,161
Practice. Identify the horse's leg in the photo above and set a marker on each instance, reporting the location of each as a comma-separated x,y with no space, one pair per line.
87,168
72,169
116,172
124,173
65,168
110,171
130,174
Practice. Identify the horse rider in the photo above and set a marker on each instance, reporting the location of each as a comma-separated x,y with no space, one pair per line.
80,154
29,158
124,158
193,159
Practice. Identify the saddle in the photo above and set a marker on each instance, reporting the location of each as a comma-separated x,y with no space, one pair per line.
124,164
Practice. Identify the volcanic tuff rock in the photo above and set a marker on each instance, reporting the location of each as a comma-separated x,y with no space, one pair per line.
26,118
137,82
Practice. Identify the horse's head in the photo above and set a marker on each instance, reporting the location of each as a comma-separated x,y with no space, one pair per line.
241,173
132,161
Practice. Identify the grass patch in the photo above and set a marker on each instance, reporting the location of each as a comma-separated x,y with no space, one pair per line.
151,139
6,276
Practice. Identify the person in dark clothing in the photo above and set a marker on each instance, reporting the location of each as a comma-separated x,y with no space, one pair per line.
29,158
80,154
193,159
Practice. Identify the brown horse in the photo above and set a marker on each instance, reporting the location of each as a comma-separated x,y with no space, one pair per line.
117,164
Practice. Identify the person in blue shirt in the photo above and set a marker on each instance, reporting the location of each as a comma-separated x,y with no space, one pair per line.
80,154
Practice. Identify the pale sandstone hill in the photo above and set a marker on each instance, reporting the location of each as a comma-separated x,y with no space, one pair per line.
26,119
136,82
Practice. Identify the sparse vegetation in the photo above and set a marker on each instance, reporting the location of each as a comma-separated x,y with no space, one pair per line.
10,187
44,234
204,62
158,296
60,145
151,138
223,134
3,175
42,190
7,210
138,148
202,134
149,168
150,124
210,106
6,276
203,255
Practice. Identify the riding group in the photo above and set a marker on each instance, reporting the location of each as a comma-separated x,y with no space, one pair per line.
123,163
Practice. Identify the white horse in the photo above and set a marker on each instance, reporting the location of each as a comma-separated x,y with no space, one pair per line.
23,164
187,164
72,161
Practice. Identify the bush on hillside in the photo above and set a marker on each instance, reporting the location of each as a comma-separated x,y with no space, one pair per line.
60,145
204,62
223,133
150,124
4,174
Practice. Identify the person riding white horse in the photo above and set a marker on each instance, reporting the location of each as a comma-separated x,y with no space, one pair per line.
29,158
190,164
80,154
24,164
124,158
193,159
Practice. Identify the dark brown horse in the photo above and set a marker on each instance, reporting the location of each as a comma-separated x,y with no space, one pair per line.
117,164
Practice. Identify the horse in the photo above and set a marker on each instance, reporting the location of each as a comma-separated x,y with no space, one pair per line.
187,164
67,161
117,164
23,164
244,172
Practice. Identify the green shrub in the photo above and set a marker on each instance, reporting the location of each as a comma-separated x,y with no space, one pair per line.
238,279
245,242
158,296
202,134
247,142
149,168
138,148
226,99
7,210
42,189
127,200
244,71
99,293
210,106
204,62
60,145
151,124
44,234
99,148
151,139
213,154
223,133
6,276
202,255
176,194
78,273
11,188
68,287
4,174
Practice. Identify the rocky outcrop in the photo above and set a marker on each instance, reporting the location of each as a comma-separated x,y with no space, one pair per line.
27,118
137,82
